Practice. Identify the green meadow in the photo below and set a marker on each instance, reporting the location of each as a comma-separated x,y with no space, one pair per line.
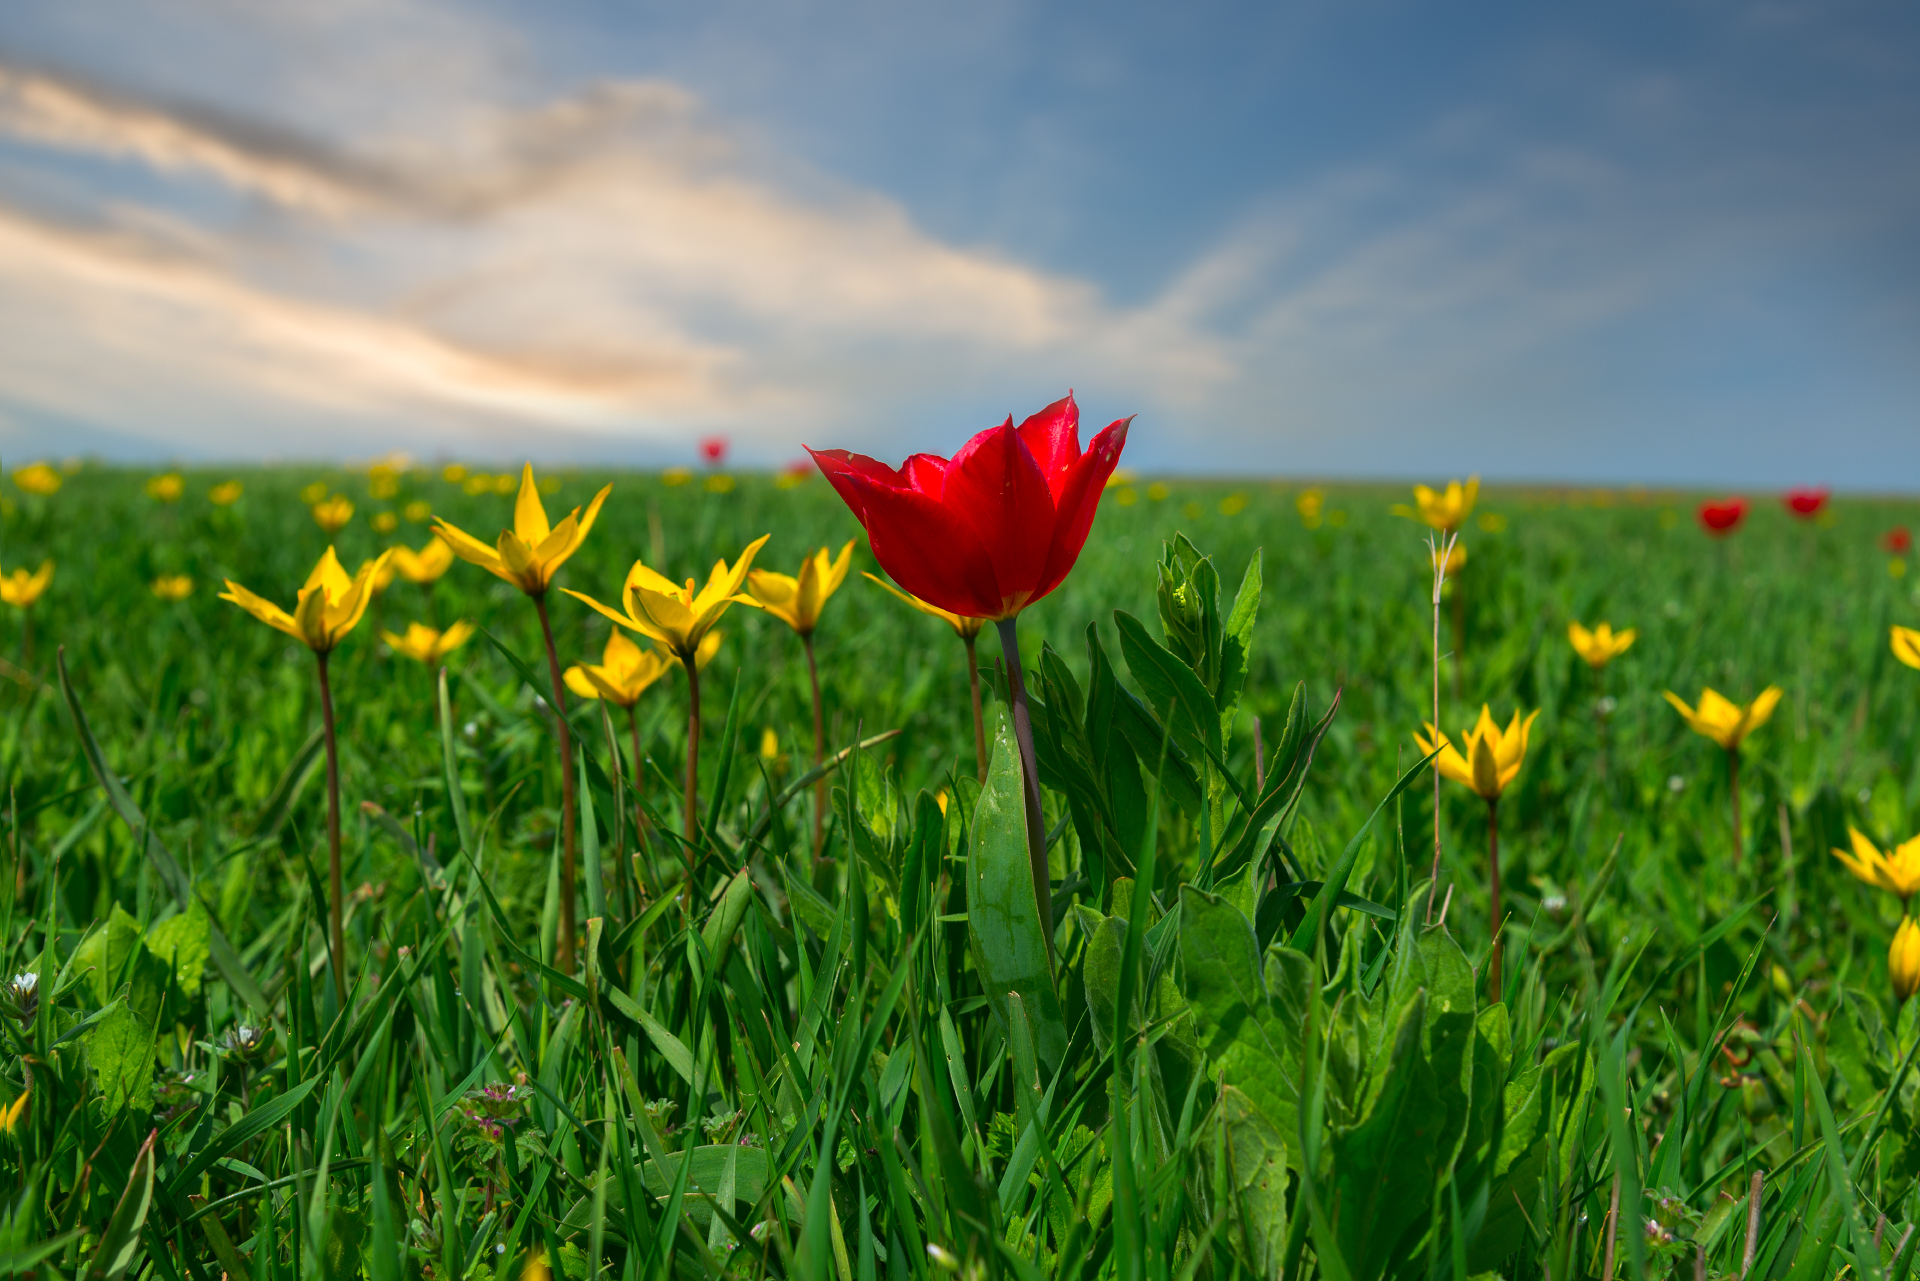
1258,1041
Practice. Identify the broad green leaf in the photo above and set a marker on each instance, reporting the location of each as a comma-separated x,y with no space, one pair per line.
1383,1168
184,942
1257,1157
120,1057
1003,917
1240,1030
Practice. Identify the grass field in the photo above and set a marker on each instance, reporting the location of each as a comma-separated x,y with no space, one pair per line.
860,1062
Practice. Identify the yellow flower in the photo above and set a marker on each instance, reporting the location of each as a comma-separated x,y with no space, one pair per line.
314,493
529,554
225,494
167,488
382,572
1898,870
427,564
382,481
1446,510
453,473
1726,722
673,476
1601,645
964,628
1455,558
10,1115
1492,522
1903,959
721,484
333,514
329,606
429,644
20,589
478,483
503,483
173,587
1493,755
770,749
1158,491
679,618
1906,645
37,478
418,510
797,601
625,670
385,522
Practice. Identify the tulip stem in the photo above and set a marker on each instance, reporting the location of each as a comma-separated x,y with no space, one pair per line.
1030,777
336,932
1733,783
563,951
979,726
819,744
1493,874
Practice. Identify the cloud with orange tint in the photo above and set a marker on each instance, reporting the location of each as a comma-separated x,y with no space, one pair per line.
605,264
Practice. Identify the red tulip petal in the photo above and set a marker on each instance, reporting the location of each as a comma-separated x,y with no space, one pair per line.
995,484
926,474
1052,436
931,550
858,464
1080,494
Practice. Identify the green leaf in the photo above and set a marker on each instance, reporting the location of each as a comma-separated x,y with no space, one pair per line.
184,941
120,1057
1236,643
1003,917
724,921
1383,1168
1257,1156
1239,1027
1171,687
120,1243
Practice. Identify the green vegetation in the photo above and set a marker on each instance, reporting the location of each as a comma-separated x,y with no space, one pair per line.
866,1061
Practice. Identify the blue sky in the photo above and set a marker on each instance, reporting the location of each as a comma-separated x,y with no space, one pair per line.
1669,243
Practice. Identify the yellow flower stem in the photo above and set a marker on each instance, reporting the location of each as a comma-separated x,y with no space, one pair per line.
563,950
336,934
1459,604
1733,784
1494,989
979,726
26,640
691,819
819,745
1030,777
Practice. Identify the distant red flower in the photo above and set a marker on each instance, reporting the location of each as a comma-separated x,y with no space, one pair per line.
1897,541
714,450
800,468
995,528
1806,503
1723,517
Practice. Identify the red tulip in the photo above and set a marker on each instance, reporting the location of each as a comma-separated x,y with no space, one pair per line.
995,528
1806,503
1898,541
714,450
1723,517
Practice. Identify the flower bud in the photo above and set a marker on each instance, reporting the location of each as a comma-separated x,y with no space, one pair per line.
1903,959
